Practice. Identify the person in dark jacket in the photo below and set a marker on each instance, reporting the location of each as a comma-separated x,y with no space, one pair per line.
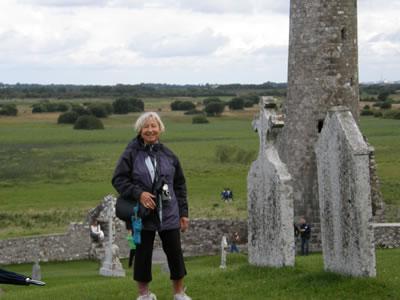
305,234
150,174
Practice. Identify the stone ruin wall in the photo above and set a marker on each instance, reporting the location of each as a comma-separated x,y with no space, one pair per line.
203,238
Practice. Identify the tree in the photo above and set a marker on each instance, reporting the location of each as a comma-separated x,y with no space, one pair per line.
88,122
236,103
80,110
98,110
121,106
248,103
385,105
182,105
214,108
68,117
211,99
126,105
382,96
38,108
9,109
175,105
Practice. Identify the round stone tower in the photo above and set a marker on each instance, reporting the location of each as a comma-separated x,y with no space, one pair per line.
322,72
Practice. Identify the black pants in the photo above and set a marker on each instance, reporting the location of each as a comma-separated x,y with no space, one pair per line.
171,243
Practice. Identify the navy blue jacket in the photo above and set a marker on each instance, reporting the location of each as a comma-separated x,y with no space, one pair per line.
131,178
307,231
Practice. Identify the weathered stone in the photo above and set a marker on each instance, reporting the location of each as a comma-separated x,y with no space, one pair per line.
378,206
224,246
387,235
322,72
111,265
345,196
36,271
270,198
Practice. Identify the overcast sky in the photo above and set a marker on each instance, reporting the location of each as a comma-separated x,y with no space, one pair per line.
172,41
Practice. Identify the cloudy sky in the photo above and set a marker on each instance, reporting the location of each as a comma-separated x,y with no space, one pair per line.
172,41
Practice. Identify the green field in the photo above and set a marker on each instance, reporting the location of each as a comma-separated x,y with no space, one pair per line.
51,174
384,136
307,280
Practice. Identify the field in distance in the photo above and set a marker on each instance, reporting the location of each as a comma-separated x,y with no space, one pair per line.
51,174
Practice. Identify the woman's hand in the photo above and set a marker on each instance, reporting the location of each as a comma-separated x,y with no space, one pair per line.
184,223
147,200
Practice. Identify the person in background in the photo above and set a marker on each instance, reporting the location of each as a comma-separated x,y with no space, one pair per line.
96,233
235,240
224,195
305,234
229,194
149,173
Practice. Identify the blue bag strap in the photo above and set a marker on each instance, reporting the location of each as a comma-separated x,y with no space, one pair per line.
136,209
135,215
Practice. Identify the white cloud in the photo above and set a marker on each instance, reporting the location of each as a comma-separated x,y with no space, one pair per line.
204,6
201,43
185,41
64,3
242,6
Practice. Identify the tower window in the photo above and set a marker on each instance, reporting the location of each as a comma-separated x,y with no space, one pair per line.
351,81
343,33
320,125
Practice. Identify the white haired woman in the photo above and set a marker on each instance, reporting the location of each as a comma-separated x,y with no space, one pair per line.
149,173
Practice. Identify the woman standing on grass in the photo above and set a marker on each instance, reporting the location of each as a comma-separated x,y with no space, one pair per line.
149,173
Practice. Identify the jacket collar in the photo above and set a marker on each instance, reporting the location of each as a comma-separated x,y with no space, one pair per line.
139,144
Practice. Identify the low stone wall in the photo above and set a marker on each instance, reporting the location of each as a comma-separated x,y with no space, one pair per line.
387,235
73,245
203,238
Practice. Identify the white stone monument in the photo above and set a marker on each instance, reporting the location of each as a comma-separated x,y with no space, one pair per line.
36,272
111,265
224,246
345,196
270,197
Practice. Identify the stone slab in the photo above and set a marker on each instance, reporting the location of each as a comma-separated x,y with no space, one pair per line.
345,196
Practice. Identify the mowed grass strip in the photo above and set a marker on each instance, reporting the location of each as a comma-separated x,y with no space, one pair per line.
307,280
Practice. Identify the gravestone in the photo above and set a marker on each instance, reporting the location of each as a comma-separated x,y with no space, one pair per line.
111,265
345,196
36,271
270,197
224,246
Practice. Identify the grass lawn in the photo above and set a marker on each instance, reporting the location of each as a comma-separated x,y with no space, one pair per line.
384,135
307,280
51,174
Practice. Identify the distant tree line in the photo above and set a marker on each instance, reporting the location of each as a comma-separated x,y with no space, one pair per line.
65,91
381,88
368,92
